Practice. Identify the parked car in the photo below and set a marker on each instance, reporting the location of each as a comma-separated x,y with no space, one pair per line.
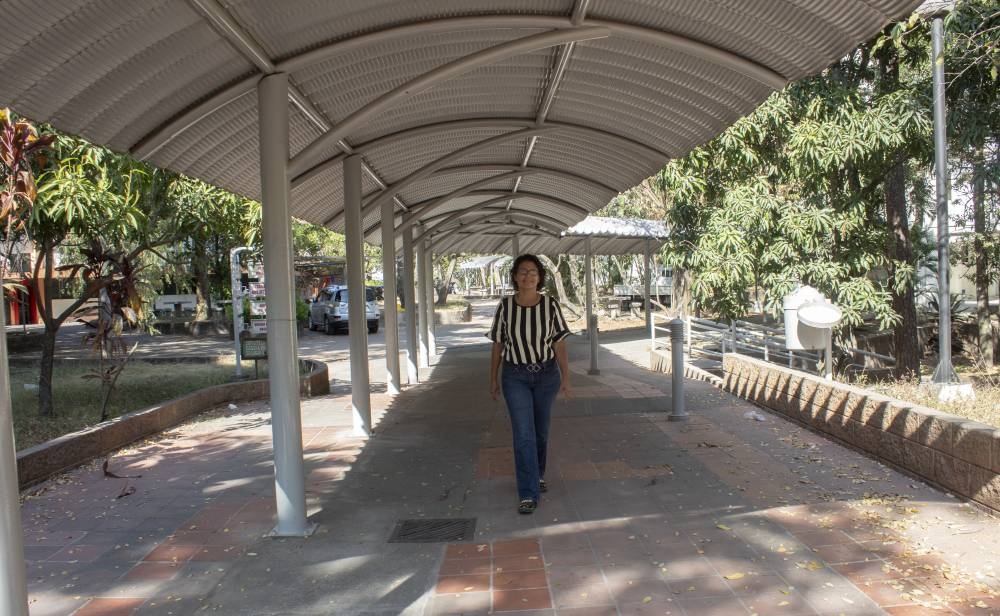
328,311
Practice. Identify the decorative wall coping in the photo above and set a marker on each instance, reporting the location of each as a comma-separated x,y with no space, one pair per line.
44,460
957,454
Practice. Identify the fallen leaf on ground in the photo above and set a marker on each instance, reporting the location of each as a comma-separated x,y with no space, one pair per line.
811,565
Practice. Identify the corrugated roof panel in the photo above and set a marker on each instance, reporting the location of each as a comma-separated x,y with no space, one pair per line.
348,82
602,161
506,90
176,81
792,37
291,27
444,183
401,158
574,191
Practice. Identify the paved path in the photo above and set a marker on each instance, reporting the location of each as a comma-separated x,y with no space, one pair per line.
721,514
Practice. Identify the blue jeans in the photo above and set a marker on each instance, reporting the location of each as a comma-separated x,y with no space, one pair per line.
529,392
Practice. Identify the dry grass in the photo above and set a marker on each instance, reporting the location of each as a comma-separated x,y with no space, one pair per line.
78,400
984,409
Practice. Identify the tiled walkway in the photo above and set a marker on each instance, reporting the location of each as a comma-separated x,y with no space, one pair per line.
722,514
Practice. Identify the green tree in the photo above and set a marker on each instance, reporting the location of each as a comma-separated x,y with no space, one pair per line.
316,241
799,191
211,222
21,149
972,59
111,209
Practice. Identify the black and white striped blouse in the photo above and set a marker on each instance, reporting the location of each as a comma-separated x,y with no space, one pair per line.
528,333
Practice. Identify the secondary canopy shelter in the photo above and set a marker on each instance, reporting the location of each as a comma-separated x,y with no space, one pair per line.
385,119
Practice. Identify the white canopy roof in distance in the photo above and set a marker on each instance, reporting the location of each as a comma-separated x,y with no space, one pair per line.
541,110
608,236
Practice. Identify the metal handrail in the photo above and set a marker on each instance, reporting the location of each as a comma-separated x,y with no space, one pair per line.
712,340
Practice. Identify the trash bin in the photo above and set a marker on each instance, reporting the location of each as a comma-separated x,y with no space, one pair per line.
800,336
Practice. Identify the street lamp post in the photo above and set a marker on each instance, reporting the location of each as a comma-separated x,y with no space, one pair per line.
944,374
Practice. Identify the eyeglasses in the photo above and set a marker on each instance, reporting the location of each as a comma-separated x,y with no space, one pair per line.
522,272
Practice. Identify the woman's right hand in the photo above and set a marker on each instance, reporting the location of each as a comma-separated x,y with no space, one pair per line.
495,390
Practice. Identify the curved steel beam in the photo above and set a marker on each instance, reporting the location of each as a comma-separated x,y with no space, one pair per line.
550,227
453,222
528,171
426,129
308,156
417,212
448,234
434,165
513,171
528,131
161,136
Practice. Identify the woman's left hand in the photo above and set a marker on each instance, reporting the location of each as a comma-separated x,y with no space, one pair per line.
566,390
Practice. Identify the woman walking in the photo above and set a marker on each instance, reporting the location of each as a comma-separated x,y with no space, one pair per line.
528,335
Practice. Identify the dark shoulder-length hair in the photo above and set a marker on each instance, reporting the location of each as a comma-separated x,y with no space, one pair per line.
517,263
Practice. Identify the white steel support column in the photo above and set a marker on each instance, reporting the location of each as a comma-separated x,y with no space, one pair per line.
424,359
283,363
14,585
591,317
588,276
430,295
410,305
515,246
389,299
361,402
647,284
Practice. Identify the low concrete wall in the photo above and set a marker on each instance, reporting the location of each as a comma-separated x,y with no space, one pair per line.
47,459
445,316
957,454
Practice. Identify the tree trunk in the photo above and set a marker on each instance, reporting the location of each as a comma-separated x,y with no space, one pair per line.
203,287
985,338
680,292
900,250
553,271
576,282
442,290
45,405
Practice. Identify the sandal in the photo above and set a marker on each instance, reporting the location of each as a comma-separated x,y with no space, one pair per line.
542,486
527,506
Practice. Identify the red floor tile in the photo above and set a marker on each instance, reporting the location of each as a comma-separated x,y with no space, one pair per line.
107,606
520,580
172,553
151,571
523,562
467,550
519,600
515,547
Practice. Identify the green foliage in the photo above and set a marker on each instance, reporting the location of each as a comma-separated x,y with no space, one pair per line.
315,241
301,311
793,193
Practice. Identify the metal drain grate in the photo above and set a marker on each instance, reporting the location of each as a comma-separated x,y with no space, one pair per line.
433,531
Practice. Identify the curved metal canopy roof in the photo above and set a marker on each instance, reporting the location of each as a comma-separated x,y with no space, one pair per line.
466,112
